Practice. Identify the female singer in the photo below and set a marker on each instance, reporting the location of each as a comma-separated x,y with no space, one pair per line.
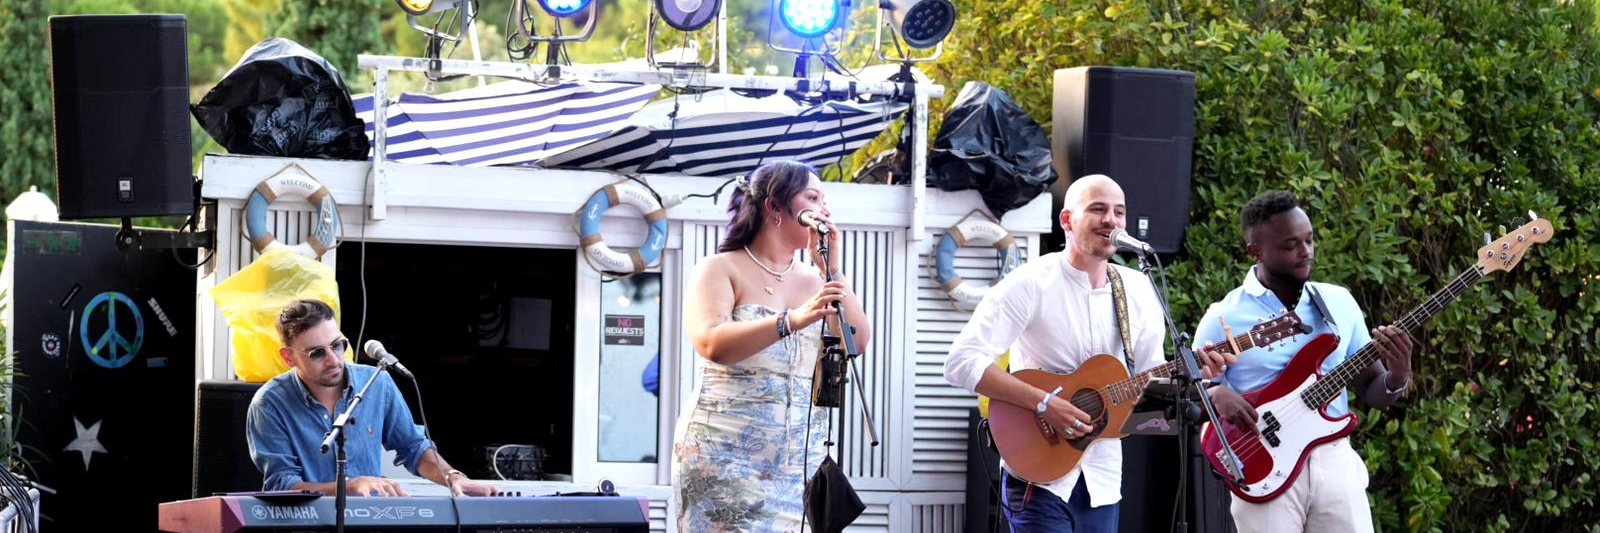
749,439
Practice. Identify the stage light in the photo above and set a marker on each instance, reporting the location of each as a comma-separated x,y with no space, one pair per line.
809,19
921,23
528,28
564,8
687,15
415,7
418,8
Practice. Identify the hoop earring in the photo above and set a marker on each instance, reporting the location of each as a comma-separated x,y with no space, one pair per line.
779,222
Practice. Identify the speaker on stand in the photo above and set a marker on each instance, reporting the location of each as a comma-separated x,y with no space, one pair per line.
1135,125
120,89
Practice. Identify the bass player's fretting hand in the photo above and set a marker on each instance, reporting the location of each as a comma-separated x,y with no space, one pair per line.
1394,344
1233,409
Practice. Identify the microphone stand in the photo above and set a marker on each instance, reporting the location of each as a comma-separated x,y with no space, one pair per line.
335,439
836,359
1192,380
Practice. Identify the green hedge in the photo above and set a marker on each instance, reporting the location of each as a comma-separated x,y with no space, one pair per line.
1409,128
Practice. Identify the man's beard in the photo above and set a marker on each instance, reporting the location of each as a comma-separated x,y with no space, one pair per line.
1286,277
334,381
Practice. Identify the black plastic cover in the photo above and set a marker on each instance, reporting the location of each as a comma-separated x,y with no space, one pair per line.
283,100
989,144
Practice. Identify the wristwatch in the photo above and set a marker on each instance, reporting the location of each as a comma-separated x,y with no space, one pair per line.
1396,391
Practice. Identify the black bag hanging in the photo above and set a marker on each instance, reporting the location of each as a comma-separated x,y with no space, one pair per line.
831,503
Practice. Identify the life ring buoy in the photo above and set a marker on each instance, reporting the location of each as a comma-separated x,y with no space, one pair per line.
293,181
601,256
972,231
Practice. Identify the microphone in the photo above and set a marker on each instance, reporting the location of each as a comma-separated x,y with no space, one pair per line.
1126,241
808,218
374,349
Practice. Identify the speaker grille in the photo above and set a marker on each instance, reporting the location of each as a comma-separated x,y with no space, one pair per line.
1135,125
221,452
121,92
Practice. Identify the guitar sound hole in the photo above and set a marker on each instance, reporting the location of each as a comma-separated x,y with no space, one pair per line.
1090,403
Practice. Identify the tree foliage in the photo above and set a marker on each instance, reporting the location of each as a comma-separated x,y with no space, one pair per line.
26,156
338,30
1409,128
247,25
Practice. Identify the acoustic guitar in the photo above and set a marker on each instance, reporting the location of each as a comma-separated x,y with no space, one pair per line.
1102,388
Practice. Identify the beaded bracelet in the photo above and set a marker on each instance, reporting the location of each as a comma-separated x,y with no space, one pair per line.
783,324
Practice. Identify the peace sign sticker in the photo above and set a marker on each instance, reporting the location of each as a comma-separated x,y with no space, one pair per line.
111,345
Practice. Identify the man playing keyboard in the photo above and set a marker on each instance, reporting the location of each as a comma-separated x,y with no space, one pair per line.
291,414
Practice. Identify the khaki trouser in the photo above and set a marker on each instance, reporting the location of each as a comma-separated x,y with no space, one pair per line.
1329,496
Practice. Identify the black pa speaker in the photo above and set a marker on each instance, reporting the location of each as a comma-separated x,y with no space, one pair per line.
221,452
121,88
1135,125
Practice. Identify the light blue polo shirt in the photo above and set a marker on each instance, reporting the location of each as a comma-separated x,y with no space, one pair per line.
1252,303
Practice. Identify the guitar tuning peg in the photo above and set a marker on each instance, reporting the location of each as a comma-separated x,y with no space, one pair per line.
1502,229
1487,238
1532,216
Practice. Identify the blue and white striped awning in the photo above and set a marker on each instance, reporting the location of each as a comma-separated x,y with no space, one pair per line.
722,133
508,123
609,126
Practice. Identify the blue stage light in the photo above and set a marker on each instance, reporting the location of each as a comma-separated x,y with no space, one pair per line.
564,8
808,18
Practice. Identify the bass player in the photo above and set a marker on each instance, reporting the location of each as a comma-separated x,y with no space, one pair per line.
1330,493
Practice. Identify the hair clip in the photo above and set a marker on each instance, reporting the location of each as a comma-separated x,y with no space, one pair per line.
745,184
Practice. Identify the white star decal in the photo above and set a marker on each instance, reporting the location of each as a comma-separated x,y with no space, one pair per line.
87,443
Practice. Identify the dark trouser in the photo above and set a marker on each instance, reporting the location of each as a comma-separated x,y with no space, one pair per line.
1031,508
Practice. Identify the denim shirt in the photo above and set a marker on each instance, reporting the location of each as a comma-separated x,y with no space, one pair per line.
286,425
1252,303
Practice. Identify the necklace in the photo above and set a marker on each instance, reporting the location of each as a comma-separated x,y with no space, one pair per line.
774,273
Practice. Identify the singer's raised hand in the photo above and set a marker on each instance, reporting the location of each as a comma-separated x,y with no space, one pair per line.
835,255
819,306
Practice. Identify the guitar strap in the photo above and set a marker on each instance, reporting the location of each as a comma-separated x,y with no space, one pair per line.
1322,307
1119,300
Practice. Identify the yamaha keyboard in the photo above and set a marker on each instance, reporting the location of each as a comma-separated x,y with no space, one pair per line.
499,514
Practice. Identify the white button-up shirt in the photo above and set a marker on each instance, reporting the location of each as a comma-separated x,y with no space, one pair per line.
1046,314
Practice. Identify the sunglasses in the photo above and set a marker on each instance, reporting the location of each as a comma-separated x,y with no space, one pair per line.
337,348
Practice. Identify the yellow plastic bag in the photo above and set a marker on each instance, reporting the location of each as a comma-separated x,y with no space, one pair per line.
251,299
1004,360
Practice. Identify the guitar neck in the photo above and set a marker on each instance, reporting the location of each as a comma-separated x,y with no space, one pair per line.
1336,381
1130,389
